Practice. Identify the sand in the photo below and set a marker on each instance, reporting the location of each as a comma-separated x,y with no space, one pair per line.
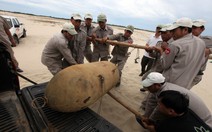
40,30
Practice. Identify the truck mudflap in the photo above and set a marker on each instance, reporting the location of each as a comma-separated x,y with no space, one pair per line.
47,119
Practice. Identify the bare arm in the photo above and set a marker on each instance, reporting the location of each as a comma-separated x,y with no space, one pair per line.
10,36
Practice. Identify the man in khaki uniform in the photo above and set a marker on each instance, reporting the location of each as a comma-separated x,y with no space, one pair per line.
208,43
57,49
180,62
167,33
166,36
159,48
88,27
120,53
77,45
7,40
197,28
101,50
155,83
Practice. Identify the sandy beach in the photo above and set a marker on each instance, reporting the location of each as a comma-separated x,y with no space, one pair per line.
41,29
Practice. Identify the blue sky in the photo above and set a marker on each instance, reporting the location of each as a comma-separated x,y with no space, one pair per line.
143,14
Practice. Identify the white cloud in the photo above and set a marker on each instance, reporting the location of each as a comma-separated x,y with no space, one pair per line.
146,10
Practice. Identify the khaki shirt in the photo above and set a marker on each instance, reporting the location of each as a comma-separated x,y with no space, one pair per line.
208,44
195,103
207,40
79,45
183,59
55,50
120,51
88,30
3,36
102,49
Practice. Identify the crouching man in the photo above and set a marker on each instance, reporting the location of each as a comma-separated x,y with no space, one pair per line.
57,49
174,105
155,84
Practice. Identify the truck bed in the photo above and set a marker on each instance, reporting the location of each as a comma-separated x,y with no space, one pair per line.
46,119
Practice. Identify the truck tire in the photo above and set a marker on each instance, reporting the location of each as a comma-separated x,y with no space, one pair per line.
24,34
16,39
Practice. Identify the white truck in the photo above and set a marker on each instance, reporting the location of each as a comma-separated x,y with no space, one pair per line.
17,29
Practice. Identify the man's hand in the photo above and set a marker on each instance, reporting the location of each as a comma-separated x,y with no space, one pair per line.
207,52
89,38
141,120
150,127
149,49
164,46
104,40
93,38
158,49
148,124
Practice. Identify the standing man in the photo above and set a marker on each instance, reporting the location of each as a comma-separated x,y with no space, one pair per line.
7,40
180,62
120,53
77,45
147,60
57,49
167,33
197,28
155,83
166,36
101,50
158,49
88,27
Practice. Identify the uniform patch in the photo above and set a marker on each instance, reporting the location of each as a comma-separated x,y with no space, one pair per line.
167,51
130,41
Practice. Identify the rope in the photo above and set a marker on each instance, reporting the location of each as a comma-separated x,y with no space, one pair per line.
101,79
137,56
132,50
43,99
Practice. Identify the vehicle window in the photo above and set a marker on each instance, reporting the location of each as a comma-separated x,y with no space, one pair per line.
15,23
9,21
